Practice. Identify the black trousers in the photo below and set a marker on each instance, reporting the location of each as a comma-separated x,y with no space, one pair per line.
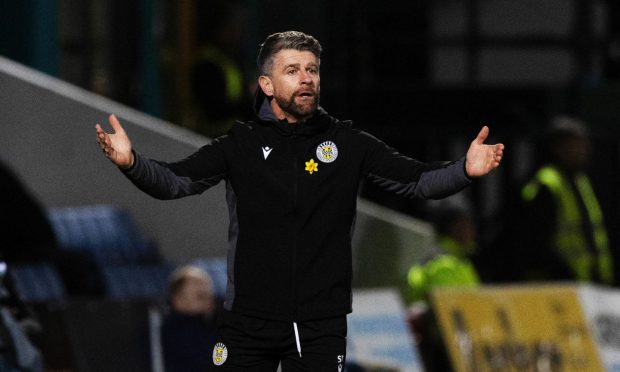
246,343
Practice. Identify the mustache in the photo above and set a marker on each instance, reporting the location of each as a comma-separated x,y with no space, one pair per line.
308,90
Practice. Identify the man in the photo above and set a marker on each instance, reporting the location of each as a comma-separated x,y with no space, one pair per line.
222,94
449,263
187,330
564,235
292,177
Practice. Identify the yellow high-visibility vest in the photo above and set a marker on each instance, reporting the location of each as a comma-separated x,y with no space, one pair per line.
569,239
445,270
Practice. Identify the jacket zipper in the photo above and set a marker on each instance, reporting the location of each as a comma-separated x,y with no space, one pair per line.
295,200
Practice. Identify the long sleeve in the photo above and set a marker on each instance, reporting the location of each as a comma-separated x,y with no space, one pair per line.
190,176
408,177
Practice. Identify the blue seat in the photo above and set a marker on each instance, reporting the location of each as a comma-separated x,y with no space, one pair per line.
108,232
137,282
217,269
37,282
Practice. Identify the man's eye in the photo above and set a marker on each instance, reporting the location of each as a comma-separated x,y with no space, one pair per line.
291,72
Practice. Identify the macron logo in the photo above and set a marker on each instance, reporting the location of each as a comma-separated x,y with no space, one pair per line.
267,151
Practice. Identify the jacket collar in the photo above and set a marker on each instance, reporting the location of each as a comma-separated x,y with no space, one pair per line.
318,122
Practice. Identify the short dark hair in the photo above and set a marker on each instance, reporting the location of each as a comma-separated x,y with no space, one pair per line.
285,40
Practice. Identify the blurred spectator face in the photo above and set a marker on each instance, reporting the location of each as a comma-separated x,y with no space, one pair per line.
458,225
463,230
573,153
569,143
194,297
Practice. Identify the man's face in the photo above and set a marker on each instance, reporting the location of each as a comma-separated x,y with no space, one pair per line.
294,83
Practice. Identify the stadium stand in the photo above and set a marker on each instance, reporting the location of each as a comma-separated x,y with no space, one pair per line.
36,282
216,268
137,282
108,232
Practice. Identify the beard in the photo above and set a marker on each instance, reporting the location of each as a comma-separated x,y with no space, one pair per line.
298,110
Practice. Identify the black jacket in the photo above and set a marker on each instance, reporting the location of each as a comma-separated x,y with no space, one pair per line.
290,230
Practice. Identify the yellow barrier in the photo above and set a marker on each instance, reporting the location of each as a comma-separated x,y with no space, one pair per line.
516,328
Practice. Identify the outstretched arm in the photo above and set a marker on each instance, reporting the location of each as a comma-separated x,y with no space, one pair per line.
481,159
163,180
116,146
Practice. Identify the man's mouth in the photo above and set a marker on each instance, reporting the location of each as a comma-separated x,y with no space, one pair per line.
306,98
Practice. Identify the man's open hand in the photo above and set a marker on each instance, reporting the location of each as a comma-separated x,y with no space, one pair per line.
116,146
482,159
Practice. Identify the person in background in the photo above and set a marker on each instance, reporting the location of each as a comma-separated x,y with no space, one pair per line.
221,90
188,328
562,233
448,264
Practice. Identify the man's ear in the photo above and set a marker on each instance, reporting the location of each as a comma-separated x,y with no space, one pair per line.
266,85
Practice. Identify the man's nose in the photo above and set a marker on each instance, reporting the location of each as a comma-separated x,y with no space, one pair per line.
305,77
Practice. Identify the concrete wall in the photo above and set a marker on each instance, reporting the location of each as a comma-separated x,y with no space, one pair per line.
48,137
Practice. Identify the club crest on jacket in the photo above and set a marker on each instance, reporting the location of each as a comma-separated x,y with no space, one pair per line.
327,152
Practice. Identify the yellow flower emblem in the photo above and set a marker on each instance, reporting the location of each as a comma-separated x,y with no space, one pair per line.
311,166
